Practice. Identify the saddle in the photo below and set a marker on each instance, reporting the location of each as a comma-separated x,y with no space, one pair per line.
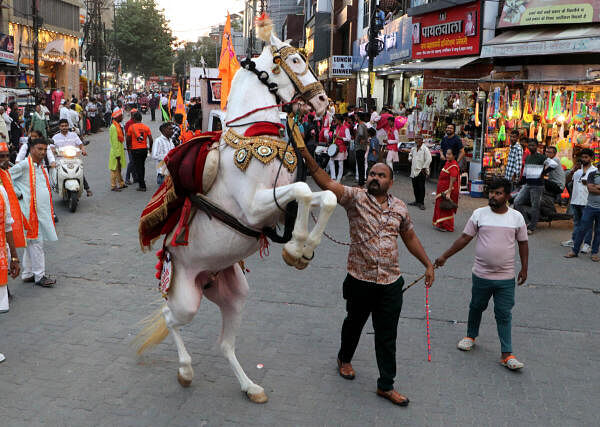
193,168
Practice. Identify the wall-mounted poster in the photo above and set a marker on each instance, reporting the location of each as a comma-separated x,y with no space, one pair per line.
448,32
543,12
214,91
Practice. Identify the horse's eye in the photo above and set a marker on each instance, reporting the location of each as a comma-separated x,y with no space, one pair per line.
295,61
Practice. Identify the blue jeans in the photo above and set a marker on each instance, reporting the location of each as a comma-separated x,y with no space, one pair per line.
587,223
504,300
577,214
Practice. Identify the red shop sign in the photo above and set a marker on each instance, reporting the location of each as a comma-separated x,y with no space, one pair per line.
449,32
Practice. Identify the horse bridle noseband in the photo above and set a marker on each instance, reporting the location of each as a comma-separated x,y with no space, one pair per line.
280,56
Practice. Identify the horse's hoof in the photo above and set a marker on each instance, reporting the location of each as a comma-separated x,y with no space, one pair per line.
183,381
301,264
260,397
288,258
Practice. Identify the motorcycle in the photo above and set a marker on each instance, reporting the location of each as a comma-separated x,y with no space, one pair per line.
68,175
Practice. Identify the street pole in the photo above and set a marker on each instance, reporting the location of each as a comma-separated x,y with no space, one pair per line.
372,51
35,45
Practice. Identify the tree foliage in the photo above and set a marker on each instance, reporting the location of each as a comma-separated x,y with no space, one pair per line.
191,54
143,38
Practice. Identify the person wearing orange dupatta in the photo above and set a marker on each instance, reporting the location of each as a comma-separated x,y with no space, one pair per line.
7,225
32,187
448,187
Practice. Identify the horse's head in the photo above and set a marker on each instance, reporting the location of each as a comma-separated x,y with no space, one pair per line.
289,70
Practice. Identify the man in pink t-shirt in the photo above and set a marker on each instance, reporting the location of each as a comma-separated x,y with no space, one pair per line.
499,230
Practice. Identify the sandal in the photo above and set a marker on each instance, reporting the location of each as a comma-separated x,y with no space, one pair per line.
570,255
511,363
596,258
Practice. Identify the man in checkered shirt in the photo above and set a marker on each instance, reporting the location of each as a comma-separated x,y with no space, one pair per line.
515,157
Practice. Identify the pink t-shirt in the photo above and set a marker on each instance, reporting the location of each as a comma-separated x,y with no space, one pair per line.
497,235
57,95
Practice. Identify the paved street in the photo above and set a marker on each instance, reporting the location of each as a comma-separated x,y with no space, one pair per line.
69,362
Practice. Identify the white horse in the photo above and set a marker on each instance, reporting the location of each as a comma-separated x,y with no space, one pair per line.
209,264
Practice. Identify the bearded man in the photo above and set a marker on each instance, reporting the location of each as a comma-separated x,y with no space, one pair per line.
373,284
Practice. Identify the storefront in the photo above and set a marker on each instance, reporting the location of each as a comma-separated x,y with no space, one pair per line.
546,80
59,57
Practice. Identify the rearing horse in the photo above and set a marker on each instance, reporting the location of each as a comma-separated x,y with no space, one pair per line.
252,184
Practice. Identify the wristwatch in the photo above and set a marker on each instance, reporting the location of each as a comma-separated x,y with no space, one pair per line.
16,259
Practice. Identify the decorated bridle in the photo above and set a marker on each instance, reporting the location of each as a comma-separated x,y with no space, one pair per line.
306,92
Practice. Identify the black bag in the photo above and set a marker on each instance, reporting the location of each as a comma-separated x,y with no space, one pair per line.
447,204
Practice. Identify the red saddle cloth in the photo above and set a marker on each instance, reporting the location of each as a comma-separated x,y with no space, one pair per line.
170,206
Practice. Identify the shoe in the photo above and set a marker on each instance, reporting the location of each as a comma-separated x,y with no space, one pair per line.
586,249
128,182
55,219
345,370
140,189
115,189
422,206
512,363
89,193
30,279
595,258
2,358
567,243
466,344
530,232
571,254
46,282
413,204
394,397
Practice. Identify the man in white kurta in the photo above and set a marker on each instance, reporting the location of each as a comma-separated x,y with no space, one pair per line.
8,221
33,260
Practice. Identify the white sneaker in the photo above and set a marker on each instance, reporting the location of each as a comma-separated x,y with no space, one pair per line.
567,243
512,363
2,358
586,249
466,344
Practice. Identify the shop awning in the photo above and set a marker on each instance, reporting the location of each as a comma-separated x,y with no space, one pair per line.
55,47
440,64
543,42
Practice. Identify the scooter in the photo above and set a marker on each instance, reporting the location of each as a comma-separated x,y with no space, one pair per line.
69,175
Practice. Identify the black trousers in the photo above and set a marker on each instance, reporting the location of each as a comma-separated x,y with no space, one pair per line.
418,183
153,113
139,162
383,303
360,162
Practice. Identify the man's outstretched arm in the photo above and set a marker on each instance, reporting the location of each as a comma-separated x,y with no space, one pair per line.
320,176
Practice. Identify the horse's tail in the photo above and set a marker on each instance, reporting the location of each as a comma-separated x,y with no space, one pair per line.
153,333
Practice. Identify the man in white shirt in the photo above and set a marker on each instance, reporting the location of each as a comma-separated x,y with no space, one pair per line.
67,138
74,119
579,196
3,127
91,110
420,158
64,113
162,145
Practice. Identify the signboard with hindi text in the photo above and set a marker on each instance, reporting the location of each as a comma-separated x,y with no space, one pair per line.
449,32
543,12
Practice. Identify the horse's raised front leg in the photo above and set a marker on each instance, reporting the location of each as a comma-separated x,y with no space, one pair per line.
326,202
229,293
264,202
183,303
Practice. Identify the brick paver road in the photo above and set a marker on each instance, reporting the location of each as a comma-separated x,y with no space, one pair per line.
69,362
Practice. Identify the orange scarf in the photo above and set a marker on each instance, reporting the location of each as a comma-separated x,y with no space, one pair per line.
3,256
33,223
15,210
120,135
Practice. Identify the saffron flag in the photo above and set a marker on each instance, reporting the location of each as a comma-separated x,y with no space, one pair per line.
180,108
228,64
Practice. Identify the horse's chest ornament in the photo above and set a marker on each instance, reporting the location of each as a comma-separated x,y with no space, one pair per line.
263,148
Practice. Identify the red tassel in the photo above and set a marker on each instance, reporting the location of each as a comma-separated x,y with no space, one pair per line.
158,265
263,246
160,253
157,275
182,224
